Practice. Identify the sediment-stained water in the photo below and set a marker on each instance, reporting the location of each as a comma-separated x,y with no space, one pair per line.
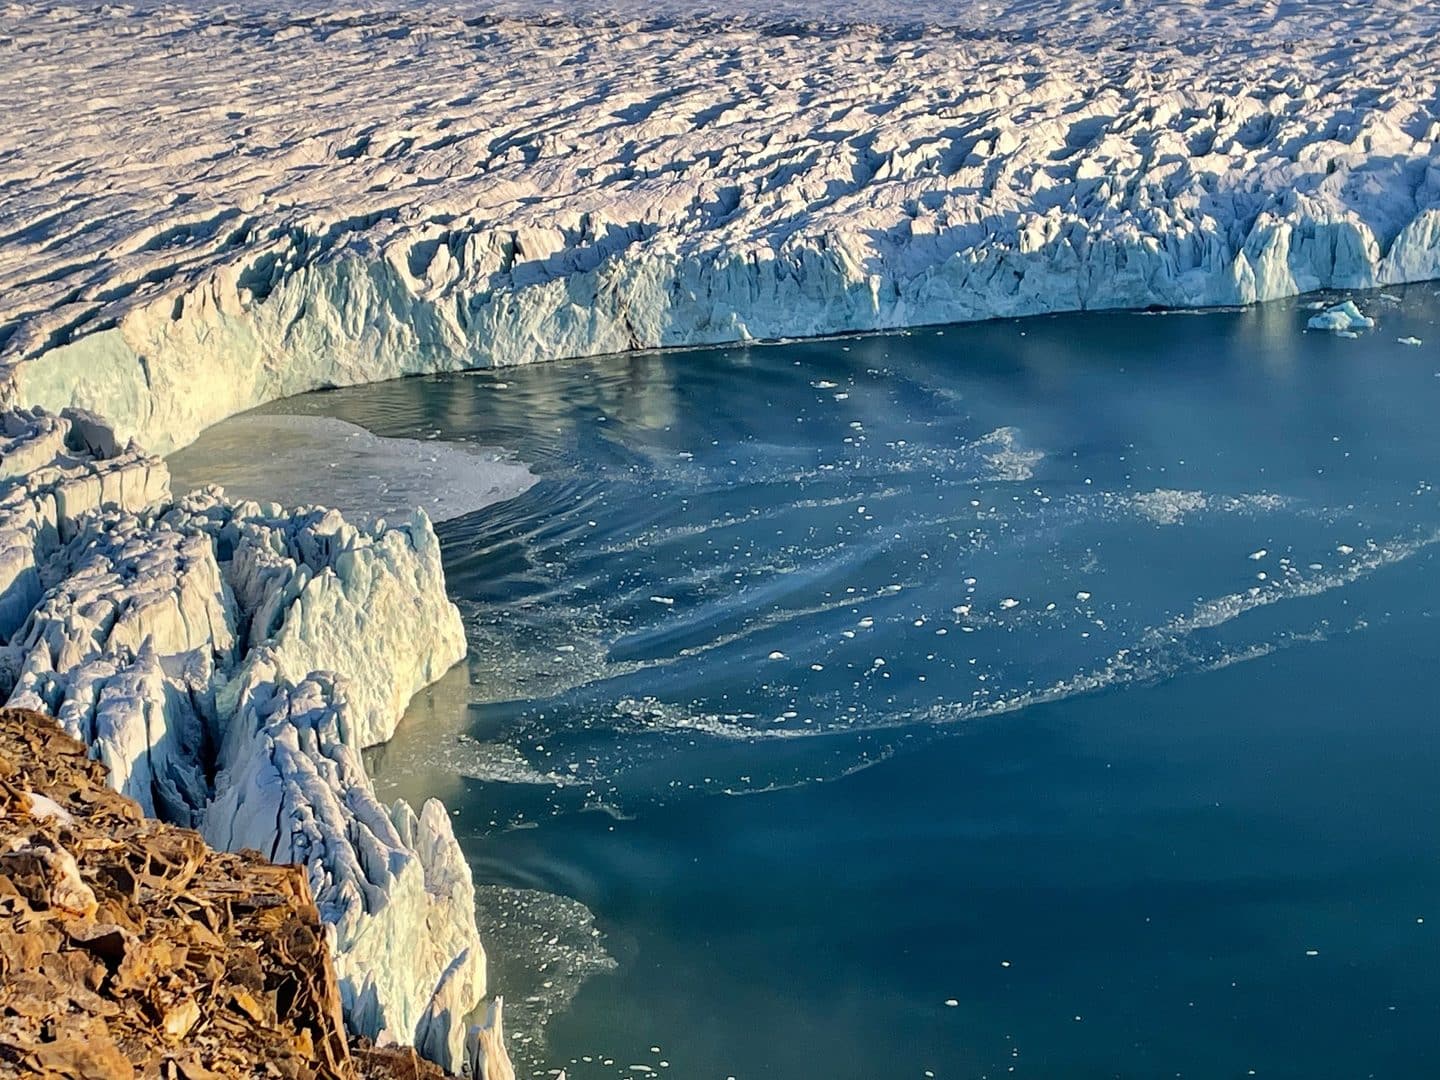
1052,697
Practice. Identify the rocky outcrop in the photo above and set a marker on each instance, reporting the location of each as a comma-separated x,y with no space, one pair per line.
128,948
226,663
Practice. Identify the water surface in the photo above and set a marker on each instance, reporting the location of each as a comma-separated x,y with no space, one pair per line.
1048,698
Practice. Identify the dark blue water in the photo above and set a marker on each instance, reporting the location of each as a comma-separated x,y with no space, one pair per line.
1052,698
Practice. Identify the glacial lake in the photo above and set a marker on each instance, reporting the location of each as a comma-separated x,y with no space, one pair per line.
1047,698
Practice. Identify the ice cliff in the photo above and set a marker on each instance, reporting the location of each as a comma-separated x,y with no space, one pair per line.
394,886
344,197
227,662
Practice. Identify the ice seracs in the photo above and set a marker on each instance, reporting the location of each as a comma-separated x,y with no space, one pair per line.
228,662
50,477
485,1054
321,594
459,191
393,885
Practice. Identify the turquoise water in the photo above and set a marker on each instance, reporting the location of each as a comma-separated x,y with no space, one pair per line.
1051,698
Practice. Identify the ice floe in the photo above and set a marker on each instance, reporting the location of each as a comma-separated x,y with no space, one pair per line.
1342,317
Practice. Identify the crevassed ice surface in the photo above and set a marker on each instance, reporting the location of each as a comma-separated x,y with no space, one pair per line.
210,208
1053,694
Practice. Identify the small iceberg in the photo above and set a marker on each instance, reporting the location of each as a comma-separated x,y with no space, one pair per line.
1342,317
1410,341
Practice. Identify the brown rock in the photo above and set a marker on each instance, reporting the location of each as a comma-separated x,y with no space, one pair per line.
128,948
94,1058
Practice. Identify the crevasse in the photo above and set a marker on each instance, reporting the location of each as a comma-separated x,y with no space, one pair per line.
553,189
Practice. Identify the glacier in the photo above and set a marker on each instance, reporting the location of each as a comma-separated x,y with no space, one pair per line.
472,190
228,661
207,209
388,882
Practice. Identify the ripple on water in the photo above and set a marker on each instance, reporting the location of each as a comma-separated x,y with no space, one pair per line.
742,572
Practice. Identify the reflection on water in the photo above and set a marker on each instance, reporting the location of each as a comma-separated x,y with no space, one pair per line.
1181,567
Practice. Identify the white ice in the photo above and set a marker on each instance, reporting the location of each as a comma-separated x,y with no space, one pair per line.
228,661
189,232
205,209
1341,317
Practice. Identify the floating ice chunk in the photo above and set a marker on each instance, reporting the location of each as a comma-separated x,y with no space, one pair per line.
1410,341
1006,459
1256,556
666,600
1341,317
1082,596
777,655
1009,602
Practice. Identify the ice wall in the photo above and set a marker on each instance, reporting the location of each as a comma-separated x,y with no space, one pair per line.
228,662
456,191
393,885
